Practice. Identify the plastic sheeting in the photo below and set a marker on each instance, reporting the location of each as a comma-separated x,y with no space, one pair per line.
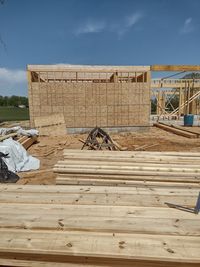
19,130
19,160
6,176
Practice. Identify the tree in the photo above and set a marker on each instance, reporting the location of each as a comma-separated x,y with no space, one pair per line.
13,100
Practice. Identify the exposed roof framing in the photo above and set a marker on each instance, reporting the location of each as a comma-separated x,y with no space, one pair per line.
87,68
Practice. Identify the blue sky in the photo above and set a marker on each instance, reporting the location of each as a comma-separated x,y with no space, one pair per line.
113,32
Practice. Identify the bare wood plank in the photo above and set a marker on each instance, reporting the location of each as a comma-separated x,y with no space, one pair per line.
175,130
56,189
175,67
86,218
111,162
117,182
115,199
119,246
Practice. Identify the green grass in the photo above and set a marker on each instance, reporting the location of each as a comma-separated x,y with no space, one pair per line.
14,114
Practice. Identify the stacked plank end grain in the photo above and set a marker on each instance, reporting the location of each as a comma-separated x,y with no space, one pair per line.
88,167
97,226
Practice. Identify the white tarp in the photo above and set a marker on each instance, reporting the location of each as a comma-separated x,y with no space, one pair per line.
19,160
19,130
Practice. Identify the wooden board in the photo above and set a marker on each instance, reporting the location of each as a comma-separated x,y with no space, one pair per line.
175,68
174,130
151,196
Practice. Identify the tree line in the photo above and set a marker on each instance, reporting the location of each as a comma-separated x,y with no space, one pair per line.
13,101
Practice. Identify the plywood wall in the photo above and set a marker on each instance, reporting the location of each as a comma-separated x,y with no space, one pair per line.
92,104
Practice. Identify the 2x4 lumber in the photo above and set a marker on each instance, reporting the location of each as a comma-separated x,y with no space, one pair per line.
144,177
109,179
126,199
175,130
175,67
144,156
108,245
111,182
186,130
129,173
174,160
154,220
132,153
93,195
40,190
111,162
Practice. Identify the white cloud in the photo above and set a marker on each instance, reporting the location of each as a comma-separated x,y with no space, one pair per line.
119,26
13,82
126,24
133,19
12,76
91,27
187,26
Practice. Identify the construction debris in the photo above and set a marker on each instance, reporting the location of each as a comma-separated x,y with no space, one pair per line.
25,137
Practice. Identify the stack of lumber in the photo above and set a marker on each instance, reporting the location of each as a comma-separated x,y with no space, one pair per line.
128,168
27,141
97,226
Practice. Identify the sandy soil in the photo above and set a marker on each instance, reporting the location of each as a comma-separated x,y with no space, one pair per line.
50,149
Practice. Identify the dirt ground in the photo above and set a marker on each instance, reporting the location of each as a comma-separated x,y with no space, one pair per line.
50,149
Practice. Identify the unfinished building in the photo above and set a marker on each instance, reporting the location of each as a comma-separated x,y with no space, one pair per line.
185,89
89,96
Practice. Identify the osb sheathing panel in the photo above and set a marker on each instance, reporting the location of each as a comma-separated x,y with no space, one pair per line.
51,125
92,104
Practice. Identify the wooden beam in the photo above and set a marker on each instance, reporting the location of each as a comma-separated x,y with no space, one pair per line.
87,68
108,245
123,183
151,220
175,67
175,131
143,195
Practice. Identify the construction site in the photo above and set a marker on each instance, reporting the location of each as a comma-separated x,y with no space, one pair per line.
113,169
